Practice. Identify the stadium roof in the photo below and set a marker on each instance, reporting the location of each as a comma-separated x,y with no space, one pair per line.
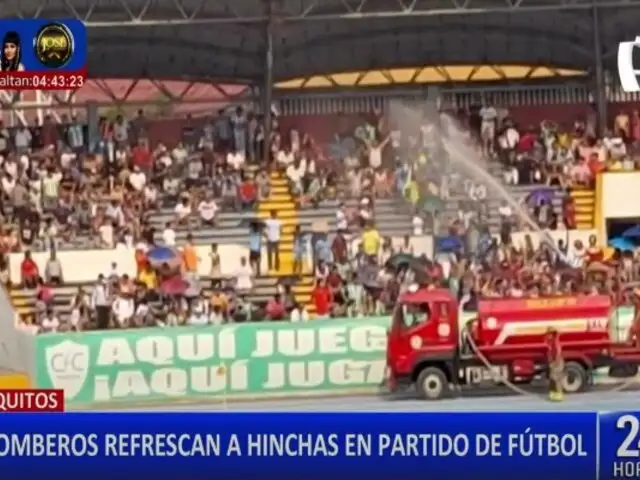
224,39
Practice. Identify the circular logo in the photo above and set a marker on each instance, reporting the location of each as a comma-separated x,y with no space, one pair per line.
444,330
54,45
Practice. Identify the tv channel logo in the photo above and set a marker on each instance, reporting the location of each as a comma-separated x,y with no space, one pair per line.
54,45
626,71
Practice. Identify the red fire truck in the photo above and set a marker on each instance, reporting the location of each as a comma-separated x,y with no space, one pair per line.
431,348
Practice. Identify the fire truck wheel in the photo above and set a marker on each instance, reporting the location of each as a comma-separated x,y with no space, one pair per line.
575,378
432,383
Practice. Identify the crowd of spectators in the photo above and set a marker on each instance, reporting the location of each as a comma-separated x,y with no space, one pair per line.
384,160
60,190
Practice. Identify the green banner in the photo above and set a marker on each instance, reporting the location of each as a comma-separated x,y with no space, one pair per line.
250,360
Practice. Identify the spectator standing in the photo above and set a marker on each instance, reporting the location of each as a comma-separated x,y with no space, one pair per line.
488,117
53,269
239,128
255,247
101,302
244,277
190,258
22,140
274,230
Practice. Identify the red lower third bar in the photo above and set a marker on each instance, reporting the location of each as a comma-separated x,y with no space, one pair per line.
31,401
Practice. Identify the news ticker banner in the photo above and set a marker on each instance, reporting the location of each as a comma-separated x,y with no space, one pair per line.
43,54
317,446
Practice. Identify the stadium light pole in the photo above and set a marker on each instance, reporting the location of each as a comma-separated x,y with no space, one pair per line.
600,93
267,93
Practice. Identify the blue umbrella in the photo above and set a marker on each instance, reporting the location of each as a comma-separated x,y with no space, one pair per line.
540,195
633,232
451,243
158,256
623,244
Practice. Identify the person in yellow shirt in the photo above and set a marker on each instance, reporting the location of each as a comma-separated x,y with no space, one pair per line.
219,302
148,277
371,241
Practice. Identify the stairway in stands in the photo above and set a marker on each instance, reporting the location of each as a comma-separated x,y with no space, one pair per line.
23,306
584,200
283,203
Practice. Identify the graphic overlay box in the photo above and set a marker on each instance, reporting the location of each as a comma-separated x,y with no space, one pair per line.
40,54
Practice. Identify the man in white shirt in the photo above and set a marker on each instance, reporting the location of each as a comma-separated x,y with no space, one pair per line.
273,230
137,179
208,209
151,195
236,160
342,222
294,174
285,158
106,234
183,210
180,153
244,277
169,235
488,117
50,322
123,310
505,211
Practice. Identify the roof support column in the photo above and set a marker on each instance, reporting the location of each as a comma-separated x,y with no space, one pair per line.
600,92
93,127
267,91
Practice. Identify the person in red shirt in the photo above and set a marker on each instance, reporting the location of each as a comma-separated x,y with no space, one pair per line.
142,157
29,271
322,299
248,193
569,214
594,252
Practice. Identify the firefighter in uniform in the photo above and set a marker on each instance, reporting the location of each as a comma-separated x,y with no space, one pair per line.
556,366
